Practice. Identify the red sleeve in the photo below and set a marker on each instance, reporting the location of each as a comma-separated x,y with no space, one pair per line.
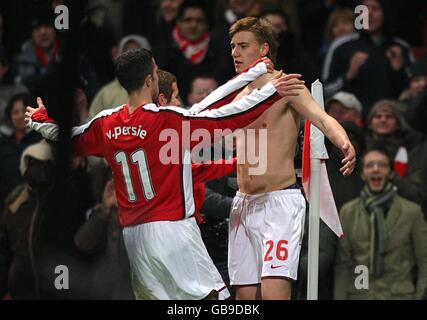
88,139
235,115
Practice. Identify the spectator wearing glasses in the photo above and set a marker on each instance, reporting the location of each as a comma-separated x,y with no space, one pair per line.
384,232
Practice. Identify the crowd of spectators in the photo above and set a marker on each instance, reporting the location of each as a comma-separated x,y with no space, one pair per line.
375,85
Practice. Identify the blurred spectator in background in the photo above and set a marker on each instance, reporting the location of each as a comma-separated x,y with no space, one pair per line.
340,23
418,81
228,12
313,17
344,106
96,42
13,142
290,55
388,128
101,237
21,222
384,232
191,52
154,20
39,55
416,97
201,87
113,94
371,63
36,236
161,31
7,88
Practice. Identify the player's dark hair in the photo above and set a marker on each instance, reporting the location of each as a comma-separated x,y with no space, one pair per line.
132,67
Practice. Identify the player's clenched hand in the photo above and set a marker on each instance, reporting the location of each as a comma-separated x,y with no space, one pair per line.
30,111
288,85
349,159
269,64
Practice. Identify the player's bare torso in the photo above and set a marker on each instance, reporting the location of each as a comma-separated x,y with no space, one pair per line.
281,122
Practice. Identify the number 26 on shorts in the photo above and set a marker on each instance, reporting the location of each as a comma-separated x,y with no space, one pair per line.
281,250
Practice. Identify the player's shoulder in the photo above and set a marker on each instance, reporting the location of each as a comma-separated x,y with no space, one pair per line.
261,80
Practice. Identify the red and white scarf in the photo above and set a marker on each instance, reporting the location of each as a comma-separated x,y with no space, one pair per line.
195,51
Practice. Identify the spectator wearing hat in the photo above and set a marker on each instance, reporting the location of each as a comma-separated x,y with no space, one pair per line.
387,127
21,221
344,106
39,55
112,94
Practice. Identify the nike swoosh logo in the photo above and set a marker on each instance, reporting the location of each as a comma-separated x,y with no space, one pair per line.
275,267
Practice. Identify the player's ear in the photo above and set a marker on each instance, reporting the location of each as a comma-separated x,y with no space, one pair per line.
148,80
162,101
265,49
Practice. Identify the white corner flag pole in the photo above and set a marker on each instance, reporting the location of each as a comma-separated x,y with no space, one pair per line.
317,151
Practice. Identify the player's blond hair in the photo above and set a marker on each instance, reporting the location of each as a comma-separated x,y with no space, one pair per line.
261,29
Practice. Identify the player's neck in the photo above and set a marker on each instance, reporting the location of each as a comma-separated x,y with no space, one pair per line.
138,99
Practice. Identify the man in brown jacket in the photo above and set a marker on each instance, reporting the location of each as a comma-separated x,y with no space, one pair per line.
385,239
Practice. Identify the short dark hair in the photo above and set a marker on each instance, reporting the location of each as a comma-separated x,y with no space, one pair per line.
132,67
261,29
166,79
24,97
378,148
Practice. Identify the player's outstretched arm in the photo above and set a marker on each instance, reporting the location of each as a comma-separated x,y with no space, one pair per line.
305,104
236,114
85,138
38,120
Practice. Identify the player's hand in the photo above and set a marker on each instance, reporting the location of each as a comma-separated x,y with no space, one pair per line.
349,160
30,111
269,64
288,85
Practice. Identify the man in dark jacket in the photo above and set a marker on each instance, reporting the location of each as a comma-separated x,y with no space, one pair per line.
371,64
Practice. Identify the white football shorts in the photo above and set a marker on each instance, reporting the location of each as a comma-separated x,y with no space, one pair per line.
265,235
169,261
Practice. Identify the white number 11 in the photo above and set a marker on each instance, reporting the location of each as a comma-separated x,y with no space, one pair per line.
139,158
